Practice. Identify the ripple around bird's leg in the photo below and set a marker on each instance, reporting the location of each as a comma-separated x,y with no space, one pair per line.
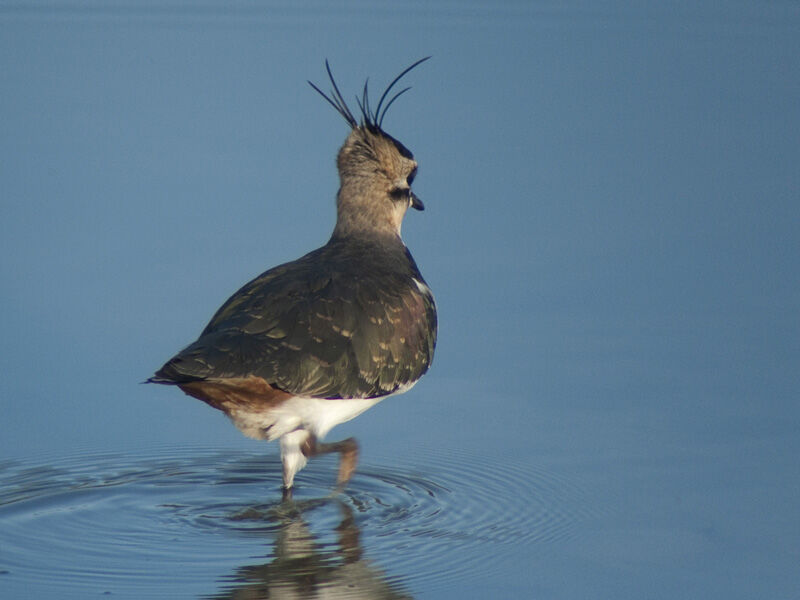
101,520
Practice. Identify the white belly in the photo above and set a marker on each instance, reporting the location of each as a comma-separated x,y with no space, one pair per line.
315,415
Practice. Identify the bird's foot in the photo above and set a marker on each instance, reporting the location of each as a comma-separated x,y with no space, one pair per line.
348,452
287,494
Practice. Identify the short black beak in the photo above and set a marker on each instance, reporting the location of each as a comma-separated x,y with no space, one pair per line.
416,202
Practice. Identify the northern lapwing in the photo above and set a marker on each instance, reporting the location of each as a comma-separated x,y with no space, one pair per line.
315,342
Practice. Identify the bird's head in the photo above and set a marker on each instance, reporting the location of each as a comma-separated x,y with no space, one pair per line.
375,170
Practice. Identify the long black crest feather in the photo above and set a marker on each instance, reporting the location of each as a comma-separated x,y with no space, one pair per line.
372,120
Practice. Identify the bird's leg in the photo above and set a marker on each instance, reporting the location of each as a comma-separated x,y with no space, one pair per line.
348,459
348,455
287,494
292,457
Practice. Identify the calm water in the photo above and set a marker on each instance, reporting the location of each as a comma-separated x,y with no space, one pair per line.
198,520
612,202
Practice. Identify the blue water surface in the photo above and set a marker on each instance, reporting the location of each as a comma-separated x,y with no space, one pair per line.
611,231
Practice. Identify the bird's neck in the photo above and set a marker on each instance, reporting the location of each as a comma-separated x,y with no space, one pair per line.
348,231
368,214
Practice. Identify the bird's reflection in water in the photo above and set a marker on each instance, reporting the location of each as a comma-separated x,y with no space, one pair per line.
304,568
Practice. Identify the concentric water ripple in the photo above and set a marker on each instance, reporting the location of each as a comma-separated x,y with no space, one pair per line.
462,512
192,521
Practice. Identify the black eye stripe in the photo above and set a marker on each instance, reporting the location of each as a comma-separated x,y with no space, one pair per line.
399,193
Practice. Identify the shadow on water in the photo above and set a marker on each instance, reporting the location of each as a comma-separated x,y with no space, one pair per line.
189,521
304,566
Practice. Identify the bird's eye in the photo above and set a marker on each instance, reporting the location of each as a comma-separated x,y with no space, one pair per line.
411,176
399,193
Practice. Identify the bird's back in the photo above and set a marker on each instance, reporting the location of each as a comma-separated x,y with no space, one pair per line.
352,319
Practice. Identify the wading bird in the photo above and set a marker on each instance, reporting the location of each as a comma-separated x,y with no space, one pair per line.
315,342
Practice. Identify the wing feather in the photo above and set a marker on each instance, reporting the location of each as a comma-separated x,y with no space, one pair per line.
317,328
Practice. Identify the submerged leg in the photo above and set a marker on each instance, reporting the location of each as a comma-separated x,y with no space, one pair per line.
348,455
286,494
